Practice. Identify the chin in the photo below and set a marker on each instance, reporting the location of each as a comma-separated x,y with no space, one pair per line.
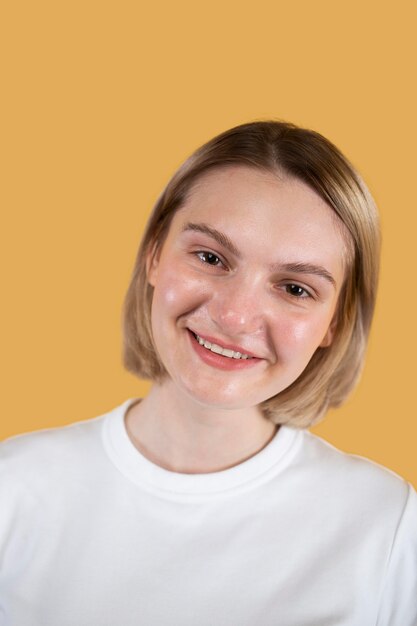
215,397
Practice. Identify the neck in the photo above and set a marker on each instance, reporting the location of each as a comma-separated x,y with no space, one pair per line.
180,435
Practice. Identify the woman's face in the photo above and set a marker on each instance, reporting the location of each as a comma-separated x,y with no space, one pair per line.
245,286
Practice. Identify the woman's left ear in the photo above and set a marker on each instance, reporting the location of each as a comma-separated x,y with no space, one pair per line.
152,262
329,336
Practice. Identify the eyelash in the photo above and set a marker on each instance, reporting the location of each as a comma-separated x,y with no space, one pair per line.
203,255
288,286
297,297
207,253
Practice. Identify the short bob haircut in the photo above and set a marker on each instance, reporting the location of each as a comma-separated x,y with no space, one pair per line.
280,148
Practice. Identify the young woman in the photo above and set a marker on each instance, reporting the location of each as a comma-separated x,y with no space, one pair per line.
209,502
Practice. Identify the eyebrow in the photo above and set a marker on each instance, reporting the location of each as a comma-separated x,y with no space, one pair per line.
298,268
307,268
221,238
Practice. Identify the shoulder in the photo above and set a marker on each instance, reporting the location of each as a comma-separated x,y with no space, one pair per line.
358,481
53,453
51,470
374,512
48,445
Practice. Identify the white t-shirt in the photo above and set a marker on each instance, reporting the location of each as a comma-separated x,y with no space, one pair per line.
94,534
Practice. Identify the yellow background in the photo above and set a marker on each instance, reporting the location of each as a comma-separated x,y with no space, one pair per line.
103,100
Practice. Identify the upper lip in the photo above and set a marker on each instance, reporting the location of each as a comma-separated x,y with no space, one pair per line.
225,344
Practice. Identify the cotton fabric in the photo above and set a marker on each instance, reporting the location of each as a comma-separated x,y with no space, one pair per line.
92,533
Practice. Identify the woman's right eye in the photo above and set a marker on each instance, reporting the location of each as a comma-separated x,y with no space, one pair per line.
209,258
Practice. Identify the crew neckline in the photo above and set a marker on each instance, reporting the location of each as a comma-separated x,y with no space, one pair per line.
175,485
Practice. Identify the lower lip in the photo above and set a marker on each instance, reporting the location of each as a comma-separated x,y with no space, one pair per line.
219,361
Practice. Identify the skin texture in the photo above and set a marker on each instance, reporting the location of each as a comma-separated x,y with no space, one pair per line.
245,293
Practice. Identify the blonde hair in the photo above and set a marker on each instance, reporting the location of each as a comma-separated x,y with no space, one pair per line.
308,156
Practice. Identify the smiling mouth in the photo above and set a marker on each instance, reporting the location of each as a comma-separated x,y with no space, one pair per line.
214,347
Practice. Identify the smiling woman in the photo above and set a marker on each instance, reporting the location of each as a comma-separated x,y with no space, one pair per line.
254,299
249,308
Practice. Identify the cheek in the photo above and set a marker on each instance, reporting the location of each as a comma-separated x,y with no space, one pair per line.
296,335
175,293
303,332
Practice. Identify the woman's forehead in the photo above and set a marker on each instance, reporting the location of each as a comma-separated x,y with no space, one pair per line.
242,196
245,198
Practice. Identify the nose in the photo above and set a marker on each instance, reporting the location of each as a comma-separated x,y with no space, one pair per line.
238,307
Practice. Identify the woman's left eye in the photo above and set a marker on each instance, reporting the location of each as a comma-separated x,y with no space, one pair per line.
209,258
295,290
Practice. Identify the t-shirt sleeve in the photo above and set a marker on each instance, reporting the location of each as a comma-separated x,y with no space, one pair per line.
399,594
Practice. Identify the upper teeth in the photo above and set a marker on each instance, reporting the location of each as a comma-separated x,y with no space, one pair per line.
219,350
